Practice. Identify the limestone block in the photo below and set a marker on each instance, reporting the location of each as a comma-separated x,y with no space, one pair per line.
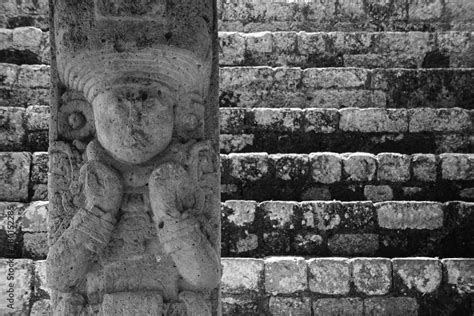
34,76
290,167
281,120
12,129
439,120
41,283
334,78
15,170
39,168
27,38
419,274
16,283
344,98
360,167
242,212
374,120
240,275
353,244
393,167
326,167
358,216
37,118
424,167
459,274
323,121
339,306
321,215
9,74
232,48
285,48
279,213
40,192
285,275
329,276
457,166
233,120
249,167
235,143
372,276
410,215
407,306
34,217
239,304
283,306
378,193
260,42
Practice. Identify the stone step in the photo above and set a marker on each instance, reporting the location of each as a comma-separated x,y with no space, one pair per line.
348,49
29,45
283,286
347,177
345,15
315,176
290,130
28,85
309,228
345,87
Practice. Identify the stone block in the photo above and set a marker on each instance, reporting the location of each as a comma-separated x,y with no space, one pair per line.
35,245
40,192
460,274
343,98
34,76
259,42
424,167
27,38
353,306
335,78
284,47
284,306
242,212
281,120
360,167
290,167
34,217
41,288
41,307
372,276
37,118
16,281
246,244
373,120
240,305
410,215
39,168
232,49
240,275
378,193
358,216
128,303
329,276
393,167
285,275
439,120
249,167
12,128
279,213
233,120
457,166
321,215
422,275
323,121
9,74
235,143
353,244
15,171
326,167
391,306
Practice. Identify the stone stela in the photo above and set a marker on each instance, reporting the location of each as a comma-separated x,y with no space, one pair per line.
134,219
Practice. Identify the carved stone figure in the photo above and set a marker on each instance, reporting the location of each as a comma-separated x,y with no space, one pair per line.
134,182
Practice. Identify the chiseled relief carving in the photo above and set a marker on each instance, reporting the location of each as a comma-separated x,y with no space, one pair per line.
134,217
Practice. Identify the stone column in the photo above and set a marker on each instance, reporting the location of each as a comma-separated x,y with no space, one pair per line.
134,172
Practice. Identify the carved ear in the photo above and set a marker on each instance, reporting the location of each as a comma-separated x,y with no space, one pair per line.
75,117
189,117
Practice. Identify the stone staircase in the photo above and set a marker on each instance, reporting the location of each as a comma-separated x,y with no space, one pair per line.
347,156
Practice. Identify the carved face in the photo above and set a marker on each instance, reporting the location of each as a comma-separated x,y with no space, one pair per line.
134,123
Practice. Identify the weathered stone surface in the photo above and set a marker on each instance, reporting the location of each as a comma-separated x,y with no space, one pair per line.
285,275
15,171
374,120
329,276
239,305
459,274
457,166
240,275
35,245
321,215
410,215
321,120
439,120
243,212
34,217
12,129
326,167
37,118
249,167
279,213
282,306
338,306
41,283
391,306
360,167
420,274
290,167
39,168
393,167
16,282
424,167
335,78
284,120
233,48
41,307
378,193
372,276
235,143
353,244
